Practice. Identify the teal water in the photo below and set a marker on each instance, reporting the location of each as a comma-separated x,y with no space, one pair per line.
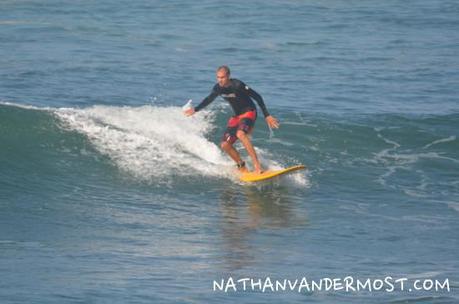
108,194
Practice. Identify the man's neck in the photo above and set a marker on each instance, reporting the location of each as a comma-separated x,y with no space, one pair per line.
227,84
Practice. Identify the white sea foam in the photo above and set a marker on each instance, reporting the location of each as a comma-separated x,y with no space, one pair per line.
27,107
443,140
409,158
428,274
390,142
280,141
154,143
150,142
454,206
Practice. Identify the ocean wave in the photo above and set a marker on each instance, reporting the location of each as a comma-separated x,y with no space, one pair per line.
150,143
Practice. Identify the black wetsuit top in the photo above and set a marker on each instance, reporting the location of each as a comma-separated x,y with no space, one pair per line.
238,94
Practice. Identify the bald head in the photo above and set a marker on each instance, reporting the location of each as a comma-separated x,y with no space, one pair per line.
224,68
223,76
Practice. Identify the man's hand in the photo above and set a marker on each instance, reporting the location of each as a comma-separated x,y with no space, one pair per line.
272,122
189,112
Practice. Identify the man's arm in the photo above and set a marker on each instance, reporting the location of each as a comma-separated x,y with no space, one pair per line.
207,100
259,101
270,120
257,98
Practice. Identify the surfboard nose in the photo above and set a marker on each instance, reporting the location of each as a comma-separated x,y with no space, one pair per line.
255,177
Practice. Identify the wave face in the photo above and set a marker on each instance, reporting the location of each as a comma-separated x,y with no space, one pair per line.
159,145
152,144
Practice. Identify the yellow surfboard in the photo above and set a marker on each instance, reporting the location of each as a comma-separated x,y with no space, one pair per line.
254,177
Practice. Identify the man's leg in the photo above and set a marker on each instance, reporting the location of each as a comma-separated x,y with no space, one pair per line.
228,148
244,138
227,141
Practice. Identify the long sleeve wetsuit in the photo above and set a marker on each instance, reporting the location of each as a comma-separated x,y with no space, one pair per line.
239,96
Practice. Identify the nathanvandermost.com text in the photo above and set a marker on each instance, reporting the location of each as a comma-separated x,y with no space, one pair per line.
346,284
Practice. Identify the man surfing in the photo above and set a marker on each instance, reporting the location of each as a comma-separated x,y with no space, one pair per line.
239,126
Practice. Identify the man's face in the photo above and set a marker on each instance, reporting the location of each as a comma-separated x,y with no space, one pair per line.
222,78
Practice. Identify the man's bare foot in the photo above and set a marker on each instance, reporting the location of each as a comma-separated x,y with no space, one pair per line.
242,168
258,169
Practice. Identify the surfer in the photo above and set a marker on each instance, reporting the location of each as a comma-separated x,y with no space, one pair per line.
239,126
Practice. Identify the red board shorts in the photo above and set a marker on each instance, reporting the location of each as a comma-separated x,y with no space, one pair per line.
244,122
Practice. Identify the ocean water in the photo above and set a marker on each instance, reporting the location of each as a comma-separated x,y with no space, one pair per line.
109,194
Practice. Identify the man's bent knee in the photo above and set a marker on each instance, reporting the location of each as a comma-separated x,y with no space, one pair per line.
241,134
225,145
